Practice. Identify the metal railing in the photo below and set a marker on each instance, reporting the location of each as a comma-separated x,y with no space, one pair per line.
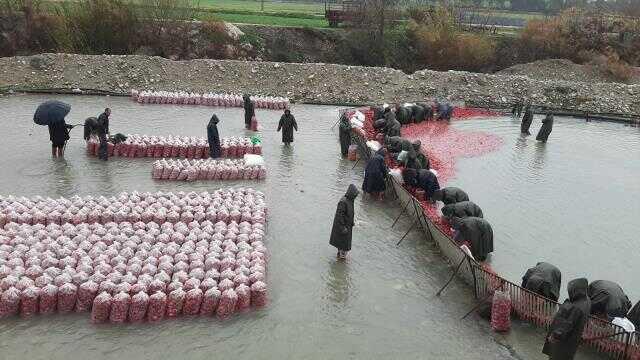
602,335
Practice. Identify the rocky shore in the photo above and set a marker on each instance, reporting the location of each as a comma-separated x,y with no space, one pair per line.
310,83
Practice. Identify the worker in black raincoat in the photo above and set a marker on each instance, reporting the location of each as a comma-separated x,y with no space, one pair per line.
634,315
392,127
566,328
478,232
428,111
608,299
249,110
287,124
545,130
450,195
417,112
543,279
213,137
527,119
59,134
343,223
103,134
403,114
375,173
389,114
393,144
344,128
461,210
423,179
422,161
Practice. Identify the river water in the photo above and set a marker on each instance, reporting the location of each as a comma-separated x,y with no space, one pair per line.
377,305
573,202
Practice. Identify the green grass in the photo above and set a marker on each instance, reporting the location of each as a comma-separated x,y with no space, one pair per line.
272,20
269,6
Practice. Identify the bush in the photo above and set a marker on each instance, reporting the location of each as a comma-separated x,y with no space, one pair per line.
612,66
442,47
25,27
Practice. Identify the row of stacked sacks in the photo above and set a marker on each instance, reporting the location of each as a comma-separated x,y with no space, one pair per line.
132,271
175,146
207,169
223,205
208,99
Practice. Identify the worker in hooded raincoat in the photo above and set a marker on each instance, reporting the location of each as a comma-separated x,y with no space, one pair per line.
287,124
478,232
375,173
392,127
450,195
403,114
343,223
608,299
543,279
249,110
566,328
59,135
417,113
545,130
213,137
344,129
423,179
422,161
393,144
103,134
462,209
527,119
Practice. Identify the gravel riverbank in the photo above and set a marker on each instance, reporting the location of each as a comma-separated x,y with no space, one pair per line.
310,83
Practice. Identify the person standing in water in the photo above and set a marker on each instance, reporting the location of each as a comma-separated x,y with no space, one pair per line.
341,231
287,124
249,111
59,134
213,137
345,135
545,130
527,119
566,328
103,134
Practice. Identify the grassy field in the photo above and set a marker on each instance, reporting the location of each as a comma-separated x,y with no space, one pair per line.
272,20
269,6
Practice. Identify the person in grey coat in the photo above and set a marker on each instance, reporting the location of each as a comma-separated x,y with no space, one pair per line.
478,232
543,279
545,130
462,209
343,223
566,328
450,195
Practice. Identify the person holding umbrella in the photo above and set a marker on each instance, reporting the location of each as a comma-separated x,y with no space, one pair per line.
52,113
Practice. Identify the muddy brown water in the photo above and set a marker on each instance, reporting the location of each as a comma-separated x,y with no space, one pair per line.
380,304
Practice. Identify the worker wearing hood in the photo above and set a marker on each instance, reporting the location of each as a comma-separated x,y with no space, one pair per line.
343,222
213,137
375,173
477,232
417,113
543,279
527,119
450,195
545,130
608,298
345,135
421,160
249,110
568,323
462,209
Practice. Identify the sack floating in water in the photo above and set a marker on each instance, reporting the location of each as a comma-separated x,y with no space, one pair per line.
125,271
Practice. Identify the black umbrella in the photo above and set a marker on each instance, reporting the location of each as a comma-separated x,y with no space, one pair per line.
51,112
